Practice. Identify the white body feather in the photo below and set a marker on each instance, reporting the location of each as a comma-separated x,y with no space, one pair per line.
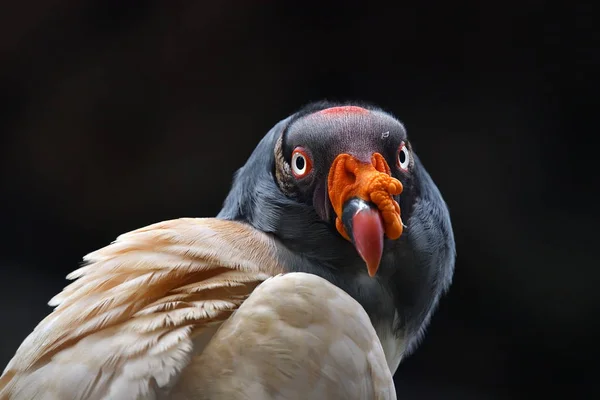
142,322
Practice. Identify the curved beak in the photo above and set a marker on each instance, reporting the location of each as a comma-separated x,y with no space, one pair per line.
364,226
362,197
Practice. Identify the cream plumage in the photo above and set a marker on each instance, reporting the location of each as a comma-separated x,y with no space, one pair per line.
136,324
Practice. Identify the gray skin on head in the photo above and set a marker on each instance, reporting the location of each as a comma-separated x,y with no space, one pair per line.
415,270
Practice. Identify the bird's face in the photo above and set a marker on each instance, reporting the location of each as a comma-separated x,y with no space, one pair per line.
352,165
332,185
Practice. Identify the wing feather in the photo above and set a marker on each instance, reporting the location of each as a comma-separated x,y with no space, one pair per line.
296,337
139,310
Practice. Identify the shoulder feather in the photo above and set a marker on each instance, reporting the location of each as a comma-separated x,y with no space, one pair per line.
296,337
138,311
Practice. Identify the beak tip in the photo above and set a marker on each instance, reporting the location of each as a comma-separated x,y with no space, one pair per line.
372,258
372,269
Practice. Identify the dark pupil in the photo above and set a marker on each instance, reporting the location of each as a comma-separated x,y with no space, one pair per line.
300,162
402,157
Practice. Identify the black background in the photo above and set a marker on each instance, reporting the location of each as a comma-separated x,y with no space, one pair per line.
117,114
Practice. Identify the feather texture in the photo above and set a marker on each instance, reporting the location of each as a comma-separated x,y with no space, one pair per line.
139,310
296,337
144,319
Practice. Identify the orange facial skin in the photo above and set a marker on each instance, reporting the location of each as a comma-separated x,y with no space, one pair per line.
372,182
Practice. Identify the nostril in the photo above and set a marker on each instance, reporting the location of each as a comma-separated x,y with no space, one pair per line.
380,164
350,177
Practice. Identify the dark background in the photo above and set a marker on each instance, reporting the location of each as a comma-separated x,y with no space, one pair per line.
117,114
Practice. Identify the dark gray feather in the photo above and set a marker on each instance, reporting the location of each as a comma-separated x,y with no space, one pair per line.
415,270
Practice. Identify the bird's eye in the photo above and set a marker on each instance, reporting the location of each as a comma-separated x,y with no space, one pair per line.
301,163
403,157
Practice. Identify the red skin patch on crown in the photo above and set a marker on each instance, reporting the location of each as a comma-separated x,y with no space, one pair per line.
344,109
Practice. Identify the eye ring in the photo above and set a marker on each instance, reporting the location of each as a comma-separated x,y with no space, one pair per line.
301,163
403,158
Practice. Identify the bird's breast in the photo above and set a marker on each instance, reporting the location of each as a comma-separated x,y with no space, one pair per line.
393,343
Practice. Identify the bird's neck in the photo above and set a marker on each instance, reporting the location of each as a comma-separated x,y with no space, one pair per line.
349,273
375,295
